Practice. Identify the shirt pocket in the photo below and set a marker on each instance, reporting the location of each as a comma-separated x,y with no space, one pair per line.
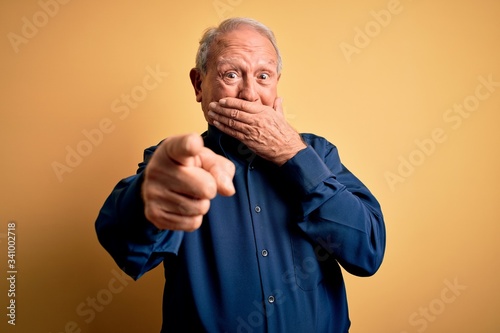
307,268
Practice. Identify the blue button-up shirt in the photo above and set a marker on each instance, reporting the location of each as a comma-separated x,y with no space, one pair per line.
265,259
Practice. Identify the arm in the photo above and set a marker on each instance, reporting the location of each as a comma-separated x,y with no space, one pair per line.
135,244
146,215
338,211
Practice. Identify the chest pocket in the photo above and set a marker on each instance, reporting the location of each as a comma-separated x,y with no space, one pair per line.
307,268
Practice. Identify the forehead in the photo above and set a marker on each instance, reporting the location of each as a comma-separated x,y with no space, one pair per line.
244,41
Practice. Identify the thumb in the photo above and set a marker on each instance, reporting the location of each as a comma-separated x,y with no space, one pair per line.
278,105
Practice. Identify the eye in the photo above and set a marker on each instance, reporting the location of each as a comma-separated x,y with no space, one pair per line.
264,76
231,75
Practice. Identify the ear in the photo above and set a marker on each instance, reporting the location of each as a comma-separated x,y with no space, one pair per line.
196,80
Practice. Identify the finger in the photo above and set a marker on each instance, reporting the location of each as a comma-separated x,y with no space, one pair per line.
183,223
240,104
213,175
183,149
177,203
230,116
221,169
224,115
165,220
179,222
169,210
278,105
193,182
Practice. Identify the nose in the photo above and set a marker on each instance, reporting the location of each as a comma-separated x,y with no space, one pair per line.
248,90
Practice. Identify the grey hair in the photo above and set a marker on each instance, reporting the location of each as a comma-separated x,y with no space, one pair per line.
226,26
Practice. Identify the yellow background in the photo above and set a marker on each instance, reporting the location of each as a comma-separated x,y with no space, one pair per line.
375,104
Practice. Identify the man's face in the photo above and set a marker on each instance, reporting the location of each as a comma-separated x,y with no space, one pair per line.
242,64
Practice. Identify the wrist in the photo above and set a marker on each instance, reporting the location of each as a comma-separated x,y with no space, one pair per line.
290,152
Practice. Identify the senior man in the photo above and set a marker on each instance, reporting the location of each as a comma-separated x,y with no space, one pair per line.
252,219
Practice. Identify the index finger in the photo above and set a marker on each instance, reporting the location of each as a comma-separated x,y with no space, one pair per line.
240,104
183,149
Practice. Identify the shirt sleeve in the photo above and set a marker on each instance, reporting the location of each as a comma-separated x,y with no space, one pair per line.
338,212
135,244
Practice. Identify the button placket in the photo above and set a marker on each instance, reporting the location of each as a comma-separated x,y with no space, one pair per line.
259,219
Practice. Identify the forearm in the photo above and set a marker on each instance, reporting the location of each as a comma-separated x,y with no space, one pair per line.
347,228
338,211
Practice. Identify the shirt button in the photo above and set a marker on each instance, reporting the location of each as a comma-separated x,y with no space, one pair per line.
251,167
271,299
257,209
264,253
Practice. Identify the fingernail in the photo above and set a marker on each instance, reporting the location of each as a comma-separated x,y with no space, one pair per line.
222,102
212,105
